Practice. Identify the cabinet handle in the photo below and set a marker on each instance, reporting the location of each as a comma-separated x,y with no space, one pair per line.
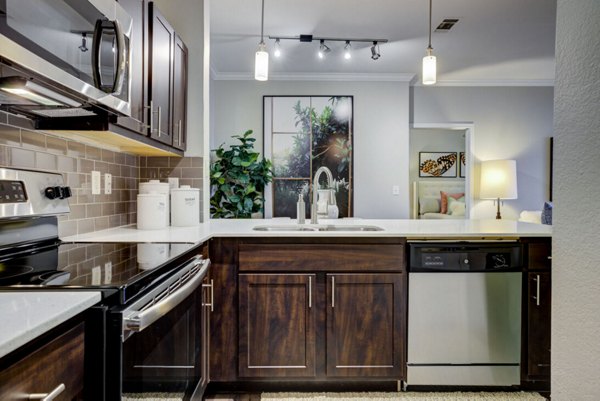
537,290
310,291
48,396
333,291
159,110
179,133
212,295
549,257
151,108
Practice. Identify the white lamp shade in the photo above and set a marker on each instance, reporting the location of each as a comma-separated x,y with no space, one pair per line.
498,179
429,70
261,64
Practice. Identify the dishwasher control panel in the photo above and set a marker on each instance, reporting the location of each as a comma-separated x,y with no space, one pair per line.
465,256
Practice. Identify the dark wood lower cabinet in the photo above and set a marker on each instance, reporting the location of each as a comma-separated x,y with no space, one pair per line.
365,322
60,362
276,325
538,325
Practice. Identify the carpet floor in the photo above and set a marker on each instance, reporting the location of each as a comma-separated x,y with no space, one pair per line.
408,396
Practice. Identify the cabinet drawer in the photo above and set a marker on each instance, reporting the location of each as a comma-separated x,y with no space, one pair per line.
59,362
539,256
321,257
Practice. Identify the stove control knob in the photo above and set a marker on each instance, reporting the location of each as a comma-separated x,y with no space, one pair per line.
58,192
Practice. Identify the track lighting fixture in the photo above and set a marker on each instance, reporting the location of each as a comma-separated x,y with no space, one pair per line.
429,61
277,49
324,49
348,50
375,51
261,60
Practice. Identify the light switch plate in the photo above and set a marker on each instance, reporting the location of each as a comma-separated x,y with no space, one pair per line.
107,184
96,177
395,190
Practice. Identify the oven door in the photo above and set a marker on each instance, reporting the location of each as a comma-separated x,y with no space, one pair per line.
156,343
80,44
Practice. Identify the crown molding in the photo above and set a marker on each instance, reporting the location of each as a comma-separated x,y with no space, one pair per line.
301,76
490,82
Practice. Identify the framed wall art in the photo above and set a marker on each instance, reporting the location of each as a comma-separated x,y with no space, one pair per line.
301,134
462,164
438,164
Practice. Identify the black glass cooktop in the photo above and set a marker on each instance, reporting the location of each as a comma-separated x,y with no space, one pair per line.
126,268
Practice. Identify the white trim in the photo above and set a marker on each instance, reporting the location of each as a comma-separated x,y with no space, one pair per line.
491,82
301,76
469,128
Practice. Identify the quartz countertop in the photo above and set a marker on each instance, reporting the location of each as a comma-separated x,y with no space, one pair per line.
412,229
28,314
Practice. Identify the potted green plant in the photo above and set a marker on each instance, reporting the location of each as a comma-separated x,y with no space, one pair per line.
238,179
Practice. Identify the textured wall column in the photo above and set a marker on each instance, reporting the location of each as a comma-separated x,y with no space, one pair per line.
576,240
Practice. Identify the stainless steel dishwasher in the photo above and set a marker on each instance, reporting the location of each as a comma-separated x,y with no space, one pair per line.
464,314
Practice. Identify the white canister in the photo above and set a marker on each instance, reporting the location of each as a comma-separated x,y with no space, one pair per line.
151,211
155,186
185,206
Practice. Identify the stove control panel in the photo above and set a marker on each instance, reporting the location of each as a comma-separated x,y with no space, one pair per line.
12,191
25,193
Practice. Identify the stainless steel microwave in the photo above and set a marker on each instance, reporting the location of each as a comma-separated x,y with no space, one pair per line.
80,47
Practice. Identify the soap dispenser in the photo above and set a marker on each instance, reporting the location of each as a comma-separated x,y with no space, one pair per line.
300,210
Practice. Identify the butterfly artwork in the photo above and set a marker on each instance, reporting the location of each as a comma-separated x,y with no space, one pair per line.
437,164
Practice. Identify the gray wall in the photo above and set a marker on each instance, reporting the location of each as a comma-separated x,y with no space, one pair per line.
576,281
380,132
509,123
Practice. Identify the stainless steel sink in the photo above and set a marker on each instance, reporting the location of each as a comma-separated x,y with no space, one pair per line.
285,228
340,228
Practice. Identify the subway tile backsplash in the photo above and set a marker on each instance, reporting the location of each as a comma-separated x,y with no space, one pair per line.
22,148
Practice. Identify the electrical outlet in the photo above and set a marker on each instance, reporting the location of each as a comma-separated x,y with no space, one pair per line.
395,190
107,184
96,177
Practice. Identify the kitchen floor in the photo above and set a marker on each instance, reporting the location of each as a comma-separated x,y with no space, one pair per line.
408,396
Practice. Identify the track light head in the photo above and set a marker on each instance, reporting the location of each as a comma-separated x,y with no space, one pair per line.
277,49
348,50
323,49
375,51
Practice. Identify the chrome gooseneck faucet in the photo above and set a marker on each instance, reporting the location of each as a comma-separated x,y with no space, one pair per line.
314,209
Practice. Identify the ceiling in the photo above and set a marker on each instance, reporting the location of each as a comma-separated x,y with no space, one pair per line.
494,42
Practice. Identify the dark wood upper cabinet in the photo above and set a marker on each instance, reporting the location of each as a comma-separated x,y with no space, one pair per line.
180,80
365,322
276,325
160,76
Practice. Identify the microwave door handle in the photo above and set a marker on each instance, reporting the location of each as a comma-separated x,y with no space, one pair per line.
97,41
121,59
137,321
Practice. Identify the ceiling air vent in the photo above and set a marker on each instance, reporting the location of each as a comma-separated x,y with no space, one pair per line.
446,25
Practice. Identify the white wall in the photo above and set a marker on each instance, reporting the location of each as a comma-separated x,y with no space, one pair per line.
187,18
509,123
380,132
576,239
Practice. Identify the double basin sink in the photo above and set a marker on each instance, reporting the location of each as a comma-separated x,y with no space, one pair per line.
328,227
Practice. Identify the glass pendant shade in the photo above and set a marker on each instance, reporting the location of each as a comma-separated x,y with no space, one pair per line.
261,64
429,70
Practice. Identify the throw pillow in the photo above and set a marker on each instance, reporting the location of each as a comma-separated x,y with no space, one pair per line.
444,202
429,204
547,213
456,207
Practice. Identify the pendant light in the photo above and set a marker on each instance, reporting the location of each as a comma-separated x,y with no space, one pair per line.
261,61
429,61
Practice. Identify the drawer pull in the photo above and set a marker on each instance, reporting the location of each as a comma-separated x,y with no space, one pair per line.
537,290
50,396
212,295
309,291
333,291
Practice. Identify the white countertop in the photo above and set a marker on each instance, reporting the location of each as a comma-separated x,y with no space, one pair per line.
435,229
27,314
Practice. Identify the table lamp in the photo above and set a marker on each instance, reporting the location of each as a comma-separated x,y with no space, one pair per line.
498,181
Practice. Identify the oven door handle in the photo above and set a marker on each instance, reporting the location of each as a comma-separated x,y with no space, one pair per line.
136,321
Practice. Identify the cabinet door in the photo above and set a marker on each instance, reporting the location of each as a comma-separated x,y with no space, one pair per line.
180,61
365,321
162,40
60,363
276,325
538,330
